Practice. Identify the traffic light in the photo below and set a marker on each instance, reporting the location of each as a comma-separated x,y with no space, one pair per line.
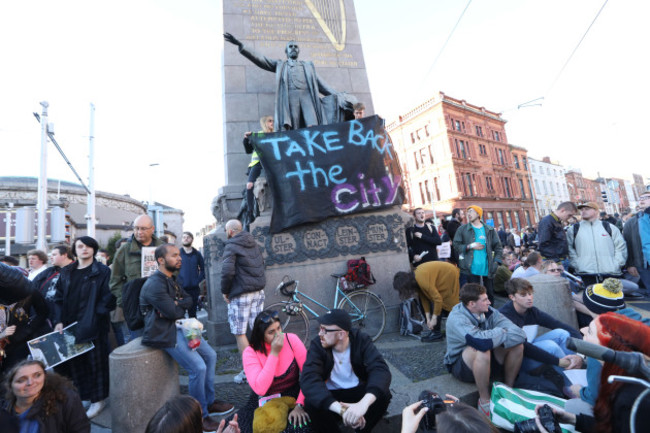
603,194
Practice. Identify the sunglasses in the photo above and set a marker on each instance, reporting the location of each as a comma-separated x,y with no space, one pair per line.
269,316
323,330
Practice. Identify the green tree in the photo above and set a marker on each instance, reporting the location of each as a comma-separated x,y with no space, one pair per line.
111,246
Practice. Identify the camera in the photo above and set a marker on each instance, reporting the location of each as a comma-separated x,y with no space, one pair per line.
435,404
547,419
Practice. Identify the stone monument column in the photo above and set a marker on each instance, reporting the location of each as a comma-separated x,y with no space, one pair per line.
328,35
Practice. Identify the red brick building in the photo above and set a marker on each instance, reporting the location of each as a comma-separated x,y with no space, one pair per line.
455,154
577,186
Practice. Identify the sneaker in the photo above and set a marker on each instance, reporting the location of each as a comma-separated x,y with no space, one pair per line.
210,424
220,407
484,407
95,409
240,378
433,336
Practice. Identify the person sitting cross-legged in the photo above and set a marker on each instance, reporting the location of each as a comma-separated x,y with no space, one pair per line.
480,338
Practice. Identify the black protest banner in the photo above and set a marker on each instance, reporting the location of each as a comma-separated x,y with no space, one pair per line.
330,170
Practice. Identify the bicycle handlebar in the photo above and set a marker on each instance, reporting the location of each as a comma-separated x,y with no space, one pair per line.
283,287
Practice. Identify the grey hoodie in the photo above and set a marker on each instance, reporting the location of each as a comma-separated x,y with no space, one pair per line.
465,329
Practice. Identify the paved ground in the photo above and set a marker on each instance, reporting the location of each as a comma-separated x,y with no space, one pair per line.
415,366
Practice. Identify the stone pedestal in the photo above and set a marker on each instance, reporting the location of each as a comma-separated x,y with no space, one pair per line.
142,379
553,296
310,254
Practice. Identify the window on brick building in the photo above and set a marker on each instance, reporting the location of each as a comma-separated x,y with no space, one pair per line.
489,184
521,187
517,220
523,160
501,158
500,219
463,124
470,185
506,186
508,219
479,131
457,125
530,189
528,221
497,137
516,158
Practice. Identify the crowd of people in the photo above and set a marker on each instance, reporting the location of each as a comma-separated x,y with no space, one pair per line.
341,378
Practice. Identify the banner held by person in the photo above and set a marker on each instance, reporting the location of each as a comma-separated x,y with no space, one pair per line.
329,170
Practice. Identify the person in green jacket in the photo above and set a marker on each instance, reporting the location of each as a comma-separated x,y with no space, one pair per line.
127,266
479,250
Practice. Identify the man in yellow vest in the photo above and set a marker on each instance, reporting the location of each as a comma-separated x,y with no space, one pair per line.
255,167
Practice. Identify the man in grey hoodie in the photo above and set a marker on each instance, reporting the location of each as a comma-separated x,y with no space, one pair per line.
242,283
477,337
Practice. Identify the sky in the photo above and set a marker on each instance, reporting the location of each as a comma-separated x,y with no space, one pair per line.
152,70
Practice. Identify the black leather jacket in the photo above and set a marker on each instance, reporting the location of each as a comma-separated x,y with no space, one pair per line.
164,301
14,286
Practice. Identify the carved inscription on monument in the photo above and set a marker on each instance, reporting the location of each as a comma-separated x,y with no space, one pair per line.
347,236
377,233
315,240
283,243
271,23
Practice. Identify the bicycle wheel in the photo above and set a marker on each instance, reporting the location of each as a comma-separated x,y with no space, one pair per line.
292,318
367,311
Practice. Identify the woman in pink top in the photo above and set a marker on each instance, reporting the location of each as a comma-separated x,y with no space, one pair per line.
273,363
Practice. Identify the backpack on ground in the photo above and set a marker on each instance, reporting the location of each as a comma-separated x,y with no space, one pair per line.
131,303
359,275
411,318
576,227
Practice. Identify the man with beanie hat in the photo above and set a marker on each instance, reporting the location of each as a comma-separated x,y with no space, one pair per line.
344,377
479,250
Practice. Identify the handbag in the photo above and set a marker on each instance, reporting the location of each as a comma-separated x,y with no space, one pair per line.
511,405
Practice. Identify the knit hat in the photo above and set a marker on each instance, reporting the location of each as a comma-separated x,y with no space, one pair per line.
478,210
604,297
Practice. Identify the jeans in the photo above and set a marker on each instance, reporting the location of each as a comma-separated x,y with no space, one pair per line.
200,365
553,342
486,282
121,332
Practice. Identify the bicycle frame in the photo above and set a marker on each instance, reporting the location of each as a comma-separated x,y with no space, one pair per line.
297,294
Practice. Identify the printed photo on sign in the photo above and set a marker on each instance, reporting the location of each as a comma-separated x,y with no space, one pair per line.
149,264
55,348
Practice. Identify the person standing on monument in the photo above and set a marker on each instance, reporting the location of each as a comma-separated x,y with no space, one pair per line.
359,111
255,166
297,103
242,283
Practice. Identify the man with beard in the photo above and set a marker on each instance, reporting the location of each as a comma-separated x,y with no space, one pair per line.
192,271
344,377
164,302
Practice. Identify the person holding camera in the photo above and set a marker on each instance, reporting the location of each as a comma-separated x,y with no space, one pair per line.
451,416
480,338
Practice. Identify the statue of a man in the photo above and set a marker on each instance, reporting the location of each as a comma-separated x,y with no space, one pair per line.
297,101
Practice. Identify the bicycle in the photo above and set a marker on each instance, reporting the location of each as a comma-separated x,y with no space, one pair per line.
366,309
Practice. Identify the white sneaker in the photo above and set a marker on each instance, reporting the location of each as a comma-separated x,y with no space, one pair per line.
240,378
95,409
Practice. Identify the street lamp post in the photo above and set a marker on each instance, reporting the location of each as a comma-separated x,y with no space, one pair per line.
41,206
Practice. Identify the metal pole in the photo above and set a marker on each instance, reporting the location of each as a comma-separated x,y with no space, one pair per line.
90,212
8,229
41,206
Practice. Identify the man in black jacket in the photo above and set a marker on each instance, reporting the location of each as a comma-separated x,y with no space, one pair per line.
344,366
551,235
242,283
164,302
422,240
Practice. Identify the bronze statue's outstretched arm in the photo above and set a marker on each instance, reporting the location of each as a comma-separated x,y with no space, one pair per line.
233,40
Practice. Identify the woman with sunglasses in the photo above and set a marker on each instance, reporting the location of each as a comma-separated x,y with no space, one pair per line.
273,363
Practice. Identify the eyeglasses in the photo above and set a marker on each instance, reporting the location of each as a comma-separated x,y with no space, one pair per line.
141,229
324,330
555,270
645,197
269,316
